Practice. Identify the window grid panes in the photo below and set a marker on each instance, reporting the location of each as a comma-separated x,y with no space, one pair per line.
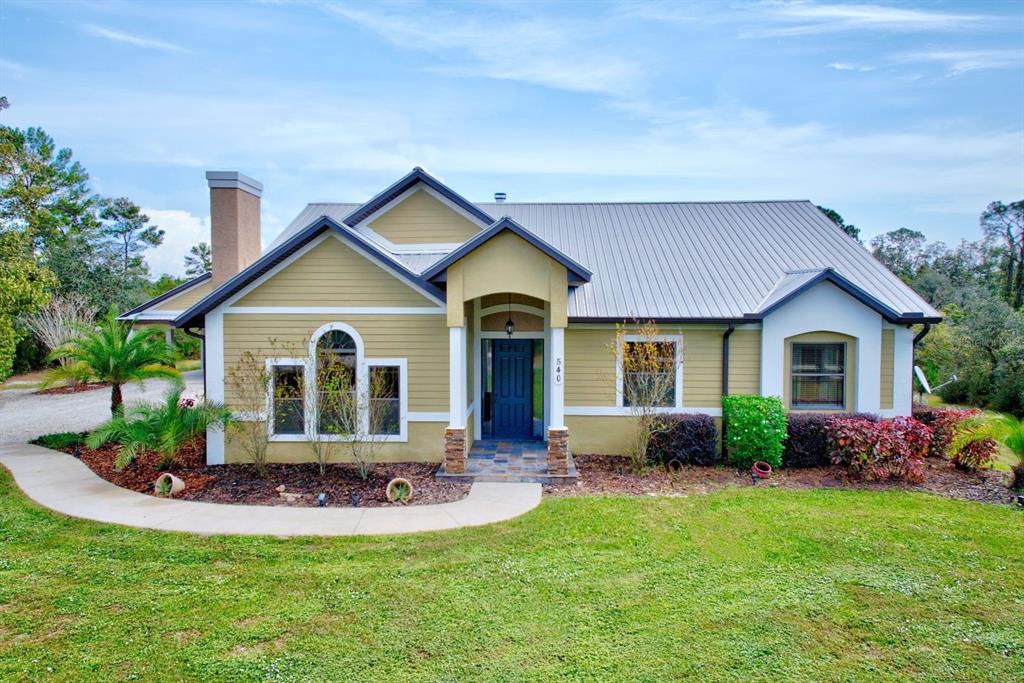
337,407
652,377
818,375
386,401
288,403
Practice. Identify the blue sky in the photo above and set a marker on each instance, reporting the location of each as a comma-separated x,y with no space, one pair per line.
894,114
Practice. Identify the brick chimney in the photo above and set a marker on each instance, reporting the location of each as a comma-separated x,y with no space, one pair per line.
234,222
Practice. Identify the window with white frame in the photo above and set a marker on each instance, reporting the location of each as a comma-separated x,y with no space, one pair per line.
336,381
385,399
649,370
818,375
287,398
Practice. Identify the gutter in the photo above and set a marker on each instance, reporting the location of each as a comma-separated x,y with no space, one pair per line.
921,335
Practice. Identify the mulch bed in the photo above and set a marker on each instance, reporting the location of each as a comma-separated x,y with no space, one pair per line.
240,484
613,475
74,388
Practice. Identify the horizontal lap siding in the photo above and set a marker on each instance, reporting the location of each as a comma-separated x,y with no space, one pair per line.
745,362
590,365
421,219
425,444
332,274
888,369
186,299
422,339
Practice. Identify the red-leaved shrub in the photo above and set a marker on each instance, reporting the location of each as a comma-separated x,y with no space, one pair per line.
944,422
975,455
883,450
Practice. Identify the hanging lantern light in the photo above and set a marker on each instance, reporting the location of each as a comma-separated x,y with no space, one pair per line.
510,327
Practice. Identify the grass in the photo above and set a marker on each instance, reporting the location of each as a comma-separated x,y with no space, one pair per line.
746,584
188,364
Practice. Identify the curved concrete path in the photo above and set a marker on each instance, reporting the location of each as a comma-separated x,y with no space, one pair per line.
64,484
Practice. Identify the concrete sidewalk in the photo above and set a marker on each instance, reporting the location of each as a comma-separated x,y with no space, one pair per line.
64,484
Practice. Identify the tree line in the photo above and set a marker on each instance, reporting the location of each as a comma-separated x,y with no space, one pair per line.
60,240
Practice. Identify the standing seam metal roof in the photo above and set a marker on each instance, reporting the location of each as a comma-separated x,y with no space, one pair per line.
683,260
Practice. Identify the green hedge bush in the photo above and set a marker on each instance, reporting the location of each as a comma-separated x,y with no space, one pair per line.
755,429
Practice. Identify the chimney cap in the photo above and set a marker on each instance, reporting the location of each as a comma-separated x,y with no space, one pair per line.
233,180
500,197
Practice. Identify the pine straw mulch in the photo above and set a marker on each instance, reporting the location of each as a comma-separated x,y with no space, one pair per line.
240,484
73,388
613,475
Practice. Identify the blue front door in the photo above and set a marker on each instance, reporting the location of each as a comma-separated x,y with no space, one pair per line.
512,397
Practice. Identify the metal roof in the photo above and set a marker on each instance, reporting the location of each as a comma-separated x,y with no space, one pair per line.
180,289
688,260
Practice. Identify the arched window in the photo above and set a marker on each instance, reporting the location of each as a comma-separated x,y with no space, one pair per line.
336,381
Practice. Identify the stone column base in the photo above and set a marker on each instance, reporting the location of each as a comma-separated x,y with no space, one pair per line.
558,451
455,450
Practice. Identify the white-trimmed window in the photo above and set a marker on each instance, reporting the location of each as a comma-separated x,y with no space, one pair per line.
818,376
287,409
658,378
386,398
337,363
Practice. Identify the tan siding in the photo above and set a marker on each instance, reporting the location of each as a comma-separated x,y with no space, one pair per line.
421,219
590,365
888,369
332,274
425,444
604,435
186,299
745,362
422,339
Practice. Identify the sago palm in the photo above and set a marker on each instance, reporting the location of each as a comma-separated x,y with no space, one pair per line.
111,352
164,427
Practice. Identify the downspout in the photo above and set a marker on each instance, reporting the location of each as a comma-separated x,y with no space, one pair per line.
921,335
725,376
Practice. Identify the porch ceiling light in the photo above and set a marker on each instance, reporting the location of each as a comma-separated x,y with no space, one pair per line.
510,327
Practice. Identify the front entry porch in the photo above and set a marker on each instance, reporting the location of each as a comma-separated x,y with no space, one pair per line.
513,460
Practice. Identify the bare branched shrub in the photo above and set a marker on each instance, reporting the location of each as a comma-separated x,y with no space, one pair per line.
58,322
648,382
249,383
368,416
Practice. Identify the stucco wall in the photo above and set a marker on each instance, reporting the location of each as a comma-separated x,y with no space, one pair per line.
422,219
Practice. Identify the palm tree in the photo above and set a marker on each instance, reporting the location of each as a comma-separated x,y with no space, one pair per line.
164,427
111,352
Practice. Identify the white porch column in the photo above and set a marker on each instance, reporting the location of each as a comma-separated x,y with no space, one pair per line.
456,377
556,378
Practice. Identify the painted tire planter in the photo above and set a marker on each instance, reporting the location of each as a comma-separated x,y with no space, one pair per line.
176,484
761,469
399,490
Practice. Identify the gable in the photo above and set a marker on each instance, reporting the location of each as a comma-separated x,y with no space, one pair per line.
508,263
331,273
186,299
420,218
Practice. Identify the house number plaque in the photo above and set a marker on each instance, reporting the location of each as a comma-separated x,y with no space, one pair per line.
558,371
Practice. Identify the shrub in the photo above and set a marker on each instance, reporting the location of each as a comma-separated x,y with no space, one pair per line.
807,443
755,429
1018,477
690,439
976,455
60,440
944,422
883,450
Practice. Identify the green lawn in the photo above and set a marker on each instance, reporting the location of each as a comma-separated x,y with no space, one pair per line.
746,584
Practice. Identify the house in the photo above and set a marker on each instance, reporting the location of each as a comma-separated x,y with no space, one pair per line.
417,286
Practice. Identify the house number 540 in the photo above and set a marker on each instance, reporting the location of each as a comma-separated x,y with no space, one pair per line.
558,371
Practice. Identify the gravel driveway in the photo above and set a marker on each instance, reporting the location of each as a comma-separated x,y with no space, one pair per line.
24,415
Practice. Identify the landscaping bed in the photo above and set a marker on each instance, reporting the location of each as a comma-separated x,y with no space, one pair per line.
241,484
614,475
74,388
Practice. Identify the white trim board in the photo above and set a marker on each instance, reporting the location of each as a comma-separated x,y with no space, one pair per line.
334,310
676,339
617,411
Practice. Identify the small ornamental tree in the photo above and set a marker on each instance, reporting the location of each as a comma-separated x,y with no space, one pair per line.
58,322
648,365
336,416
248,383
365,417
755,429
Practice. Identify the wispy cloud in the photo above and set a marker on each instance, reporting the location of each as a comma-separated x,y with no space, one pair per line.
957,62
799,17
849,66
547,51
13,68
137,41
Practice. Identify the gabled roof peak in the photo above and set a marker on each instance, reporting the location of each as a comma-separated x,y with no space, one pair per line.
417,175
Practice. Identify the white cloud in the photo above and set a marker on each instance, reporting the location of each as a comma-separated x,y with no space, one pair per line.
548,51
959,62
849,66
137,41
801,17
181,231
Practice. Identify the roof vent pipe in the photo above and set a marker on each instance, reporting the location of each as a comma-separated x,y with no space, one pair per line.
499,197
